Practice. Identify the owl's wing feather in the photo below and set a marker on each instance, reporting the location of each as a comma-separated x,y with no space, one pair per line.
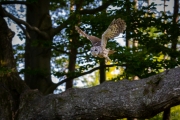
81,32
94,40
114,29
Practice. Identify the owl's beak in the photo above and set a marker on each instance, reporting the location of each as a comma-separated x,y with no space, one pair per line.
94,53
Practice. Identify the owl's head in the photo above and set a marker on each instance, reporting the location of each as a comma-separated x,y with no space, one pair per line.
95,50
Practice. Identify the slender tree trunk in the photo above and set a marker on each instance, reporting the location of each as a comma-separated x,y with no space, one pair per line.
73,50
127,31
148,3
38,48
72,61
102,71
128,24
135,42
175,20
130,118
164,6
166,114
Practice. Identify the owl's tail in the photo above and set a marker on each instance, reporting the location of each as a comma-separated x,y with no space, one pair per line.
81,32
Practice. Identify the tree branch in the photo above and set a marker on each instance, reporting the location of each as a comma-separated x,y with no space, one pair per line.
54,86
59,50
93,11
110,100
13,2
56,30
19,21
85,11
24,30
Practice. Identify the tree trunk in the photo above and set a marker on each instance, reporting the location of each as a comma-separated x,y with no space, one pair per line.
73,50
164,6
127,31
72,61
136,99
166,114
175,20
128,24
11,85
110,100
102,71
38,48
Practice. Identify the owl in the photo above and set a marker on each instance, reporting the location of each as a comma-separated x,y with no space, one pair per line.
98,48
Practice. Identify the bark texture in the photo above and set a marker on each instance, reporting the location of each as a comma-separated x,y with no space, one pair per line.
138,99
38,47
11,85
39,32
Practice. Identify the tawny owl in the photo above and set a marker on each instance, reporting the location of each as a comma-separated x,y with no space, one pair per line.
99,45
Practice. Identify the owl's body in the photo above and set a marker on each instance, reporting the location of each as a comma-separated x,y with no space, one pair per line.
99,45
99,51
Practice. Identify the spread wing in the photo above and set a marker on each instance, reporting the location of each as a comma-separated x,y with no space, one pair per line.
115,28
94,40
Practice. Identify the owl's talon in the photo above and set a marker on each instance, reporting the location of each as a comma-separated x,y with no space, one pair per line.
107,59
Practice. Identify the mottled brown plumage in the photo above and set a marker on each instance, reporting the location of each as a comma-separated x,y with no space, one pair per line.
116,27
94,40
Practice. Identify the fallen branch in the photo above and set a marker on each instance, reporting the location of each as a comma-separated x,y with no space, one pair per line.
138,99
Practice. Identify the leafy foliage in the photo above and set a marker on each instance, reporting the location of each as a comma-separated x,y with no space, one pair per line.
154,31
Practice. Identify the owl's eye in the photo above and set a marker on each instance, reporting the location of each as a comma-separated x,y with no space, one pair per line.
95,50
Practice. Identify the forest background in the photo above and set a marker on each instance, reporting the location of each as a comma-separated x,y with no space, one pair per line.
54,58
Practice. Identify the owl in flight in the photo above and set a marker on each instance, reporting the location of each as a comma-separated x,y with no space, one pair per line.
98,49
